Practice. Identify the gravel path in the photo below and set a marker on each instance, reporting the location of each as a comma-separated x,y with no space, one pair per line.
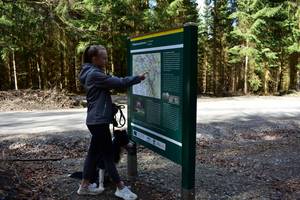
213,115
247,148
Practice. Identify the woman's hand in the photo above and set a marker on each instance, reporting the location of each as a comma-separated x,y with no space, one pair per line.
143,76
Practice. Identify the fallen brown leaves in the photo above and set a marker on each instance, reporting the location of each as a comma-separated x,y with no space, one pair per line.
37,100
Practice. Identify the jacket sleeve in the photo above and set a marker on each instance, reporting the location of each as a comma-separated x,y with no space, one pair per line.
105,81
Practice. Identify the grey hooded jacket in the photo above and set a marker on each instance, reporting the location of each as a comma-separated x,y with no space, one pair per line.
97,86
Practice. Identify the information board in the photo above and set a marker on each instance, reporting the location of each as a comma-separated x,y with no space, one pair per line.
156,103
162,108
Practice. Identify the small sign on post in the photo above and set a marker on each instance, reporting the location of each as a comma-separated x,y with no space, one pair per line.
162,109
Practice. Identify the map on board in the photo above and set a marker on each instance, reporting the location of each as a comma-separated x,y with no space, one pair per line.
151,64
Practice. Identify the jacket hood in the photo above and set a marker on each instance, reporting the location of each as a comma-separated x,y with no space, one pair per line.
86,67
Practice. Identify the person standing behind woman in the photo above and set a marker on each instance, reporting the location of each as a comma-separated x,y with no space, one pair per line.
99,115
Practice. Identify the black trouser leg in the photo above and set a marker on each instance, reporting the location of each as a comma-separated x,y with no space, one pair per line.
100,148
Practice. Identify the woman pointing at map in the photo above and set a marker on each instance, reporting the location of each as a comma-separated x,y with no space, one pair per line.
99,115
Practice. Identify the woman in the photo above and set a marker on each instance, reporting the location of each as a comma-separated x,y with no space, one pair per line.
99,115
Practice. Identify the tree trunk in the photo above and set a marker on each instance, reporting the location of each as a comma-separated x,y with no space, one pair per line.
222,66
233,79
266,80
47,70
39,74
280,86
15,70
293,61
298,81
209,77
112,41
204,76
246,71
214,57
78,68
278,75
112,60
75,71
62,70
8,72
29,81
71,74
245,75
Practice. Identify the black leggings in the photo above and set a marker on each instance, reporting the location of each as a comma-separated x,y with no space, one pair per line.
100,150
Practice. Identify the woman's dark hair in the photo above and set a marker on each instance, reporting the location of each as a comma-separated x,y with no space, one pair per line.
90,52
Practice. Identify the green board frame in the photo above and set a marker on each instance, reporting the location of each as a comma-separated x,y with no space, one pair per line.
173,131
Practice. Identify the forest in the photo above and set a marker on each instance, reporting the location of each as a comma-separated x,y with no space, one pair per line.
244,46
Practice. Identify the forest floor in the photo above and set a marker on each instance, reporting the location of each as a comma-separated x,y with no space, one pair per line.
38,100
236,159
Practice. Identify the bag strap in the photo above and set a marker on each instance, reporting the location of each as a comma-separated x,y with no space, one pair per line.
119,123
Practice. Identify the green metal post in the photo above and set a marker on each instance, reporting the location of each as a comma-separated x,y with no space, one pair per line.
132,151
189,111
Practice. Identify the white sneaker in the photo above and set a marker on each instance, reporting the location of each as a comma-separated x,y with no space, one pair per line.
100,187
90,190
93,185
125,194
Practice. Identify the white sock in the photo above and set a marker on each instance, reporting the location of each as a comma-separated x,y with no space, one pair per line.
101,178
